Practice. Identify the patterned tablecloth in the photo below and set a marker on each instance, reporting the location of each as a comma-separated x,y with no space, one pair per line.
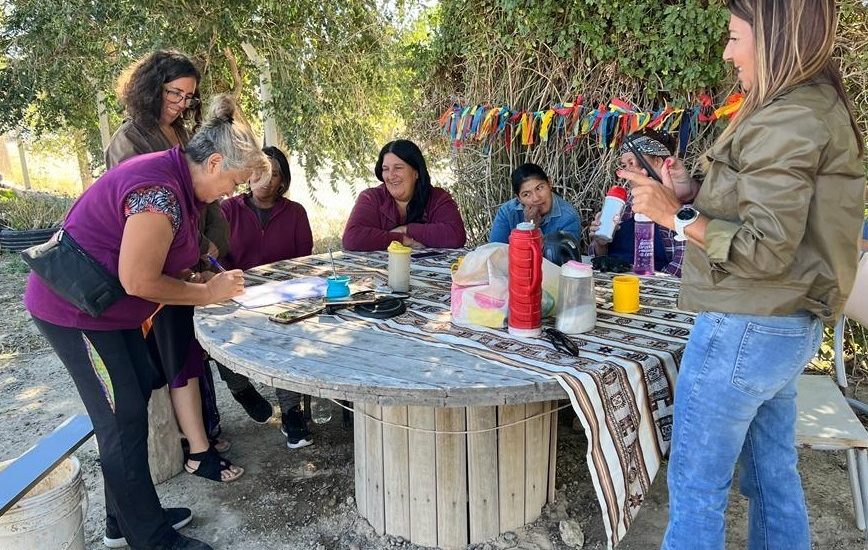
621,385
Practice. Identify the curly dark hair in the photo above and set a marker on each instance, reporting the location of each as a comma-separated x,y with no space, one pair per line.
140,87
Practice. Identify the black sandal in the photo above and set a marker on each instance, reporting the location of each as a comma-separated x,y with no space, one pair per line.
220,445
212,465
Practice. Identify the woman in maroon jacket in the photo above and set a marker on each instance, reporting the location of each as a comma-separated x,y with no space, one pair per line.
405,208
266,227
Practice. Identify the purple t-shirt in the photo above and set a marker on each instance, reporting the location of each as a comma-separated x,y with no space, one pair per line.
96,221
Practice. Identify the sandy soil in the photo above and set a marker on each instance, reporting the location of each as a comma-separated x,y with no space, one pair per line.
304,498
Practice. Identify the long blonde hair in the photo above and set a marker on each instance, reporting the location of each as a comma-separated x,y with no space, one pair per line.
793,40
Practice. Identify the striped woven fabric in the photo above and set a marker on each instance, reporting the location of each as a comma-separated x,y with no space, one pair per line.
620,386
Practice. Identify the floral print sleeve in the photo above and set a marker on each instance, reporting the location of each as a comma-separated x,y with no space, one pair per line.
154,199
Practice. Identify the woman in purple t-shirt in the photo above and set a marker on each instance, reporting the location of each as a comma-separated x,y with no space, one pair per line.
148,245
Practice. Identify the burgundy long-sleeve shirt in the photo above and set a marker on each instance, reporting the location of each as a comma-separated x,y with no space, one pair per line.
376,214
285,235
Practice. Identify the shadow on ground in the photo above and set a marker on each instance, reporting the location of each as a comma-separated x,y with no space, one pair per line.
303,499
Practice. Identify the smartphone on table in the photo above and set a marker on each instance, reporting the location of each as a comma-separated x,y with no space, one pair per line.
296,312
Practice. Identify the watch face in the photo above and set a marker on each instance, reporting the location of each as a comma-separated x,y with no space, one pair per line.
686,214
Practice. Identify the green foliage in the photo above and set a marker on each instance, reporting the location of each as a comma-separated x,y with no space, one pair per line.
667,46
855,351
331,65
32,210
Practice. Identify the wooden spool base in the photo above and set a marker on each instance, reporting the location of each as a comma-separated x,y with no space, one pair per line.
451,490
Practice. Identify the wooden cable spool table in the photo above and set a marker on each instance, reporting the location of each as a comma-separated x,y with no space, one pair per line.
430,486
455,426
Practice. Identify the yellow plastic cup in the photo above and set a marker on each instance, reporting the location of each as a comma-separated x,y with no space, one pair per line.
625,293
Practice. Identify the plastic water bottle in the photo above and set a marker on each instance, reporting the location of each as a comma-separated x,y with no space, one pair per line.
643,245
613,207
320,410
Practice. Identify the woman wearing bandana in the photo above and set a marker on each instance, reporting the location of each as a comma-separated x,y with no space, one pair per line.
656,150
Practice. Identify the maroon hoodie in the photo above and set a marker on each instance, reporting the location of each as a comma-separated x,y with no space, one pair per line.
286,233
376,214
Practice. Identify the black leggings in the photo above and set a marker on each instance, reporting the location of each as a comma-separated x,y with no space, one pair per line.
114,376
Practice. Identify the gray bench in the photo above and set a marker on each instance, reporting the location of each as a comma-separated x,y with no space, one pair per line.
38,461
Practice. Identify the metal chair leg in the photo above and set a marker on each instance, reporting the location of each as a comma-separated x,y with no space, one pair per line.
862,459
855,488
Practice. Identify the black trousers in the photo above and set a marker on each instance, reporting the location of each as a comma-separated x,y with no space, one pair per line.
237,382
114,376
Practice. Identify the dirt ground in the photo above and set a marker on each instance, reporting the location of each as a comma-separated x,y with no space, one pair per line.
303,499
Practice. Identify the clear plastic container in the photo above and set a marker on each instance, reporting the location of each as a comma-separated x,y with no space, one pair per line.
399,267
577,308
320,410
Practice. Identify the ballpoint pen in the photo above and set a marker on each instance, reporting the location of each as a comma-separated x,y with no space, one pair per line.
215,263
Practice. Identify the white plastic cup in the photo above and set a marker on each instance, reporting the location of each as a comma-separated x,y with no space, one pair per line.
613,207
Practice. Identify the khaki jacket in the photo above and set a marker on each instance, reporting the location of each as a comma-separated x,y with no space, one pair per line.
132,139
785,193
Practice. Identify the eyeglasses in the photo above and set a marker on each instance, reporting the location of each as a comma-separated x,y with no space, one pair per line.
174,96
561,341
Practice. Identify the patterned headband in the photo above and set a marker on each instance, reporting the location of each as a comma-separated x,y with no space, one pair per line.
645,145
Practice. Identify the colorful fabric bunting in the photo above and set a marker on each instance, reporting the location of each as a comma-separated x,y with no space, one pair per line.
609,124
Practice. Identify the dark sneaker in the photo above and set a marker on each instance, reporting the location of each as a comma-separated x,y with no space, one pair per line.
294,427
178,517
257,407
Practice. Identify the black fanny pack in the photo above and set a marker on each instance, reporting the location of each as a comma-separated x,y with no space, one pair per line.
73,274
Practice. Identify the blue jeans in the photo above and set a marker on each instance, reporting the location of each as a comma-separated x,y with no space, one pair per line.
735,400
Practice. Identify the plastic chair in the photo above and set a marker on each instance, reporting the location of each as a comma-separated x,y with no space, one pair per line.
827,421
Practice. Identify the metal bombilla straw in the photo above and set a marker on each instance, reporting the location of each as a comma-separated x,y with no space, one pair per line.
334,270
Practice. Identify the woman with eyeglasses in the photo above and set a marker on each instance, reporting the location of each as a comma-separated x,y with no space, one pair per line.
160,94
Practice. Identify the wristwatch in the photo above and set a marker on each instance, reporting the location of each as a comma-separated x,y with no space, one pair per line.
685,216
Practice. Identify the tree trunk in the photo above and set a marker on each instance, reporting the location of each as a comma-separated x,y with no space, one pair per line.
105,130
83,158
5,165
165,455
22,157
272,136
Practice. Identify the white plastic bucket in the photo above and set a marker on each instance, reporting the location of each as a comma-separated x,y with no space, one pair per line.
50,516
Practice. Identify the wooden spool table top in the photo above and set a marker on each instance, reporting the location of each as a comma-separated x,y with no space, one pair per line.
347,358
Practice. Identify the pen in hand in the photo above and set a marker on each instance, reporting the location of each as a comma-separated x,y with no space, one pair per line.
215,263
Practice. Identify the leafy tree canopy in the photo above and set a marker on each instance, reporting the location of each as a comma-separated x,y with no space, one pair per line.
332,64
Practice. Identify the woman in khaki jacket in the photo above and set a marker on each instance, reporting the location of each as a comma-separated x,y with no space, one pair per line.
773,245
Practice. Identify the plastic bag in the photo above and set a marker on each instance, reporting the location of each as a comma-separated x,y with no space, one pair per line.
480,287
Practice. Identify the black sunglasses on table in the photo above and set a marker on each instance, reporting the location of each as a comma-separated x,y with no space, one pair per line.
561,342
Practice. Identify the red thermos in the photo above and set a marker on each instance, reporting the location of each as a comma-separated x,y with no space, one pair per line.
525,280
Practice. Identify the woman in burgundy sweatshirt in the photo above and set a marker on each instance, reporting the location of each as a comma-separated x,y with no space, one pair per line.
266,227
405,208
